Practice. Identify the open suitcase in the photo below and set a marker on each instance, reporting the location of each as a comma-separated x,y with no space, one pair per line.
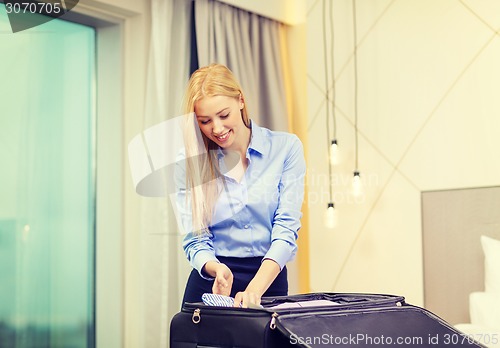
352,320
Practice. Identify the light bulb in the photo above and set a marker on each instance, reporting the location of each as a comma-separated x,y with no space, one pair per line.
330,216
357,188
334,153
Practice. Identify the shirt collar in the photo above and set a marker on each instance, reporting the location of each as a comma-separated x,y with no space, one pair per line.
258,141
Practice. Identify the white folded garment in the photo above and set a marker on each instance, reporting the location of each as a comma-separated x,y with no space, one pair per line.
313,303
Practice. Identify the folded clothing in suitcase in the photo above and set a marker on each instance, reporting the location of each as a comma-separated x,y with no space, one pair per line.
340,320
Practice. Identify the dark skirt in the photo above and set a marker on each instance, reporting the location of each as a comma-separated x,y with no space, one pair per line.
244,269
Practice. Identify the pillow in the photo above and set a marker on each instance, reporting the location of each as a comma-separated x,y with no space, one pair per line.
488,337
484,309
491,249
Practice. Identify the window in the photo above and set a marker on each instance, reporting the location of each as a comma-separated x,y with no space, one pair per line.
47,185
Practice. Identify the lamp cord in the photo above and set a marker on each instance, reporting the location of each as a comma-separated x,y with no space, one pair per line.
355,84
332,36
325,56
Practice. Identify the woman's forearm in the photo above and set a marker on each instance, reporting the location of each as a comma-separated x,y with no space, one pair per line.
265,276
210,268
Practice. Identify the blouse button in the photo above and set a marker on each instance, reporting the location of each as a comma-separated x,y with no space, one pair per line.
246,226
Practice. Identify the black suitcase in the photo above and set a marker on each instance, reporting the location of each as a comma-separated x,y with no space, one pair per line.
356,320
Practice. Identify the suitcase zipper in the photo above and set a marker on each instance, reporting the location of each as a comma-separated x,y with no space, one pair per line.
195,311
272,324
190,307
196,318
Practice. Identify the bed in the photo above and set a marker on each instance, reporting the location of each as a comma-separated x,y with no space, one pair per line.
484,306
461,242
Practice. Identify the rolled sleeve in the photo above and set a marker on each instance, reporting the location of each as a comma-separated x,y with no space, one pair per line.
281,252
199,250
286,222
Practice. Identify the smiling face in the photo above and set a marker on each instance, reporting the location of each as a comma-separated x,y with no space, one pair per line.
219,118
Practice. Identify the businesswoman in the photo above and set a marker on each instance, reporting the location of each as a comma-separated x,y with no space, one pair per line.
239,191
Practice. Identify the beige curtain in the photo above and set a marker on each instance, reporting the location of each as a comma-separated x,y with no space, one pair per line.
293,41
163,266
250,46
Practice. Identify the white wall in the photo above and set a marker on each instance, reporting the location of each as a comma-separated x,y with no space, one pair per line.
428,119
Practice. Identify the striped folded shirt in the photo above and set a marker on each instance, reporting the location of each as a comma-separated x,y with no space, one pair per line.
217,300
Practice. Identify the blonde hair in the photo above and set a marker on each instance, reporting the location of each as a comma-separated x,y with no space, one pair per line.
203,170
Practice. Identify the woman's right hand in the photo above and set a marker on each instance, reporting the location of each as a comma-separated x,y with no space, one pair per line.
223,281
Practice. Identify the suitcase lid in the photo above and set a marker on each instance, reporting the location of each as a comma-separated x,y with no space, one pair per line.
403,325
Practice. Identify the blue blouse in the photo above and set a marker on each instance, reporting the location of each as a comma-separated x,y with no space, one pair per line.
258,216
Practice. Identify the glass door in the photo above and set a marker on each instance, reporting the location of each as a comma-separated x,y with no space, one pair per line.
47,185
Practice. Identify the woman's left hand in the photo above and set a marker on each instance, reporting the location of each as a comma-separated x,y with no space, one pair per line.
247,299
223,281
266,274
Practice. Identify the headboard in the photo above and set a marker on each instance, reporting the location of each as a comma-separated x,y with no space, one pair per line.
452,223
